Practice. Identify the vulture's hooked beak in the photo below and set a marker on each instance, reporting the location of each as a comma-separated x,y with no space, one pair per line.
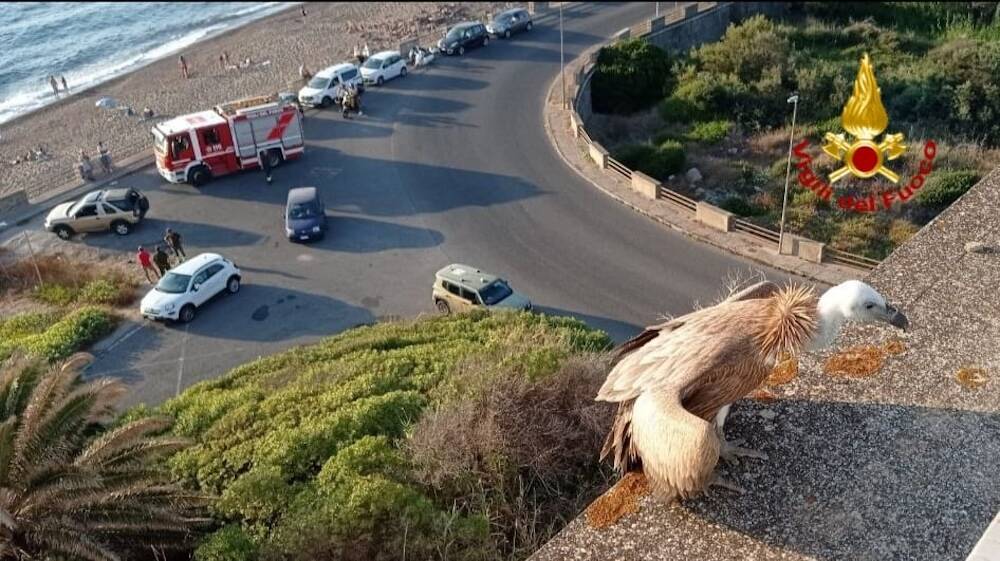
896,318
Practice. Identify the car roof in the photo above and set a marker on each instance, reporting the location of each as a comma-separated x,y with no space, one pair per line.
302,195
191,266
329,71
466,275
465,24
509,12
384,54
119,194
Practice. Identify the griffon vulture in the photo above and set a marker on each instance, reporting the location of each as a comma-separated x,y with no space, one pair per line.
674,382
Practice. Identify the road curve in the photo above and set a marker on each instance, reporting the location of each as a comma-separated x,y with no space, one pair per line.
450,164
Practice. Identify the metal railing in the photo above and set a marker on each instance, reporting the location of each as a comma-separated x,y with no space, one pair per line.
851,260
756,231
620,168
676,198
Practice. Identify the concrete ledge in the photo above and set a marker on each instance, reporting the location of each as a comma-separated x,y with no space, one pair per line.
538,7
645,185
599,155
621,35
803,248
714,217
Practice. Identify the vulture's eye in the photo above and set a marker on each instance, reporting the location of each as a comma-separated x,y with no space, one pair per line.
869,306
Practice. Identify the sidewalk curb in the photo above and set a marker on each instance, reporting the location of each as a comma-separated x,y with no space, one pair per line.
550,112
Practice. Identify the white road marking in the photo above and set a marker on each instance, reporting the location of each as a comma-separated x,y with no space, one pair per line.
127,334
180,361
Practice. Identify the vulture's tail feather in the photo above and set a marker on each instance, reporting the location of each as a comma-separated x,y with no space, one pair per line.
618,444
791,321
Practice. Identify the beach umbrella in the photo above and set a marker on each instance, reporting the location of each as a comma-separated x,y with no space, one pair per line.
107,103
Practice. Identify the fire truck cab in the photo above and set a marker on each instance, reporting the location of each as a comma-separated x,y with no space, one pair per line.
231,137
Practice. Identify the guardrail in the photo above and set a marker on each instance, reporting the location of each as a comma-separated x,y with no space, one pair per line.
585,66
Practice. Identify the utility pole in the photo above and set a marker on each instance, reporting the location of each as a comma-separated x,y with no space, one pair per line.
794,100
562,58
657,13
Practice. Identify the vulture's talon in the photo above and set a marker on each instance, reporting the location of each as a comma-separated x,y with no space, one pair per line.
731,451
718,481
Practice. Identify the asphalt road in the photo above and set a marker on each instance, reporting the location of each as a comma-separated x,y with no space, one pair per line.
450,164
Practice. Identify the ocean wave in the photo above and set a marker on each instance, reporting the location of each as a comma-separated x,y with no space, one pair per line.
31,92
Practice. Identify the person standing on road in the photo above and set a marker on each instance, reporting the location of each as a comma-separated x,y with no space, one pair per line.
146,262
162,260
265,165
105,157
173,240
184,66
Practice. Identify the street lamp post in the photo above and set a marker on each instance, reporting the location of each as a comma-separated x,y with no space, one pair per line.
562,59
794,100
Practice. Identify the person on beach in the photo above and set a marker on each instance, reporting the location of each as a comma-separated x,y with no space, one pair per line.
184,66
146,262
366,52
85,167
63,80
265,165
104,155
173,240
161,260
147,113
303,10
304,73
357,54
55,86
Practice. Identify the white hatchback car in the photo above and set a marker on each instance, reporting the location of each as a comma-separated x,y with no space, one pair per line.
325,87
190,285
382,67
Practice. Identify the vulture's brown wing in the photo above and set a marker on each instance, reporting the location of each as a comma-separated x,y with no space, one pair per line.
703,342
763,289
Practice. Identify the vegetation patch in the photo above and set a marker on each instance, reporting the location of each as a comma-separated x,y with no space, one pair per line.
67,282
52,336
472,434
630,75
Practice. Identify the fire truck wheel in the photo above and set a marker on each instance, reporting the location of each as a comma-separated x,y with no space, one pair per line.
402,72
274,157
64,232
380,81
327,101
199,176
121,227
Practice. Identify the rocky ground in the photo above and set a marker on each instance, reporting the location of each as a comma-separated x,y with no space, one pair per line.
276,45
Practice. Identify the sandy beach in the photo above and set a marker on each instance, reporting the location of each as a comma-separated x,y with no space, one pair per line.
276,45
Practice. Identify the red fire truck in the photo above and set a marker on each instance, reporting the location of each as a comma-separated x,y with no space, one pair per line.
197,147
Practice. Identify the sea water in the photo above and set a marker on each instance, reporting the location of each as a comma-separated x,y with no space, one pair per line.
90,43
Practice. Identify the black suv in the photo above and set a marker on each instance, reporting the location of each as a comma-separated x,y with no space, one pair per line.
464,36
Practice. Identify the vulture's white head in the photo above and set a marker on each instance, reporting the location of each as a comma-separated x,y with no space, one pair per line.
857,302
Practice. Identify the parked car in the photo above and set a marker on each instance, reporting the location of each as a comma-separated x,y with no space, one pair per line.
305,215
382,67
189,286
464,36
325,87
510,22
118,210
460,287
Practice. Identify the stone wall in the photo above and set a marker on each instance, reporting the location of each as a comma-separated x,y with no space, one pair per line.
694,25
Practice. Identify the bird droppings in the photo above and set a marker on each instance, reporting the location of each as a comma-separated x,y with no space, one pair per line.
855,362
621,500
971,377
785,371
894,347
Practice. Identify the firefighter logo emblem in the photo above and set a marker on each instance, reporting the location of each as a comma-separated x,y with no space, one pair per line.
864,117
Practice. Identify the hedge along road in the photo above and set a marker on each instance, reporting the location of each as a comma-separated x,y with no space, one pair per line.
450,164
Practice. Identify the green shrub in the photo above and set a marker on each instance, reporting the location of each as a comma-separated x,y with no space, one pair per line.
864,235
304,447
70,334
228,544
104,292
739,206
677,110
634,155
56,294
900,231
658,162
709,132
630,76
665,135
945,187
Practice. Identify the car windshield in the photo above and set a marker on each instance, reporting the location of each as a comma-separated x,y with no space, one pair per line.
159,142
455,32
373,63
173,283
319,82
495,292
299,211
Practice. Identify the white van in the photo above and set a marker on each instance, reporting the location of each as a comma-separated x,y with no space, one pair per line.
324,88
